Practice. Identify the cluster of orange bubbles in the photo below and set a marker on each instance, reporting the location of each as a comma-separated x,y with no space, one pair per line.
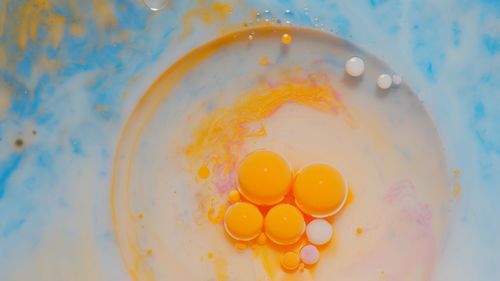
272,203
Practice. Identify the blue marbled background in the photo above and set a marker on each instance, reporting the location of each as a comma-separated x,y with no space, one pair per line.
67,88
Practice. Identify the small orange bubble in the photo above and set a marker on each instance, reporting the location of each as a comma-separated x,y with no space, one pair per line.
210,255
149,252
204,172
286,39
234,196
243,221
290,261
140,216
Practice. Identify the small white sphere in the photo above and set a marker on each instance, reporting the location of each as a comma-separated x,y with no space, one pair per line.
319,232
384,81
397,79
309,254
355,66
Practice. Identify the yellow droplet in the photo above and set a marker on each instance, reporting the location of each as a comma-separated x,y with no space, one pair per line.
290,261
140,216
243,221
264,60
203,172
149,252
262,239
210,255
234,196
286,39
359,231
284,224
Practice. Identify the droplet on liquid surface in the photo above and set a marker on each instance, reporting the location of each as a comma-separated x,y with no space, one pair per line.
155,5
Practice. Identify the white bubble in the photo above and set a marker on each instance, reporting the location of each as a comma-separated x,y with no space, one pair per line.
319,232
268,15
309,254
355,66
155,5
384,81
288,16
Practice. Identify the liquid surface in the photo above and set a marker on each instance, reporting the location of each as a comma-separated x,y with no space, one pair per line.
300,104
73,71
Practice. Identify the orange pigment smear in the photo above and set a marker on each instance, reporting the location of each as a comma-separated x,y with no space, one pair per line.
219,139
209,12
222,140
216,217
220,136
33,16
457,187
220,265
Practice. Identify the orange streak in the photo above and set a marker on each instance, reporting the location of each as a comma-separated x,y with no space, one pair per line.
124,221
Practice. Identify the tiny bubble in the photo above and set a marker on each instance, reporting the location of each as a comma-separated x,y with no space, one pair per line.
156,5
